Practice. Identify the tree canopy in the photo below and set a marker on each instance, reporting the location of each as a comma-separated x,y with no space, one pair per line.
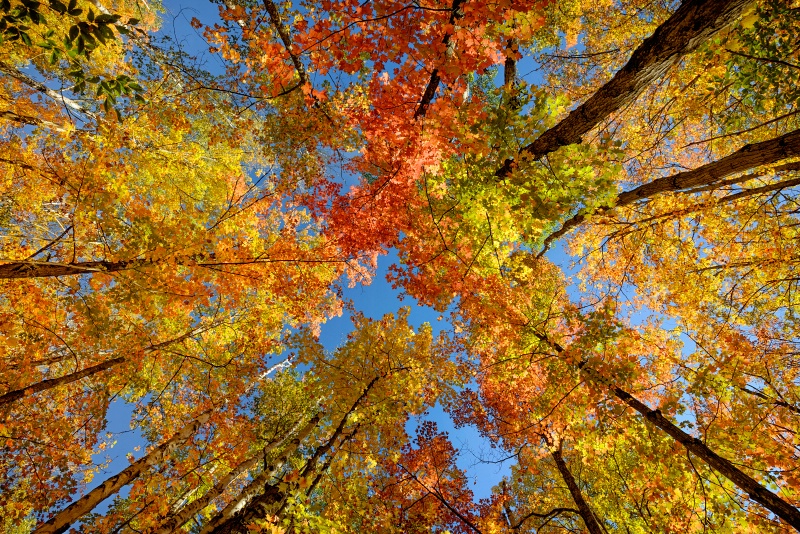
177,233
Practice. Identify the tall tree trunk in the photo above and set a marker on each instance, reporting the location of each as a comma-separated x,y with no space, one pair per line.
743,481
42,269
20,393
746,483
746,158
583,507
433,83
72,513
186,513
43,385
692,24
260,506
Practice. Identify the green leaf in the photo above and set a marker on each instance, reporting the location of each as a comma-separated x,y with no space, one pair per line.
25,38
58,7
105,32
91,42
106,19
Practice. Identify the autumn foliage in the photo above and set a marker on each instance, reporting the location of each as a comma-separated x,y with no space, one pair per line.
599,198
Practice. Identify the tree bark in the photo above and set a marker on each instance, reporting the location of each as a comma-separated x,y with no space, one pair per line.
41,269
744,482
433,83
15,73
44,269
583,507
72,513
692,24
186,513
747,484
746,158
259,507
43,385
260,481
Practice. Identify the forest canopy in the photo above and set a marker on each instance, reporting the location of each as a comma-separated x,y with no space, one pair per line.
179,226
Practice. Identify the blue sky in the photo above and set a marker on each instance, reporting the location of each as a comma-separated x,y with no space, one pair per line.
477,457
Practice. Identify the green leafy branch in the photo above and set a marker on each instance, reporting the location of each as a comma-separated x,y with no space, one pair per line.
83,37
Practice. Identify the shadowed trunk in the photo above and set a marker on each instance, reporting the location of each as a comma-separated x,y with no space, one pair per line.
743,481
72,513
692,24
17,394
583,508
746,158
260,507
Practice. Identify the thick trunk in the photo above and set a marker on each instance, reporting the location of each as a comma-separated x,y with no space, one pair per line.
583,507
747,484
72,513
186,513
259,482
692,24
258,508
700,179
41,269
17,394
261,506
433,83
746,158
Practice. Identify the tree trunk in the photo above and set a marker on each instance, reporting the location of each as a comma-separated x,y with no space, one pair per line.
183,515
17,394
433,83
746,158
260,481
747,484
583,507
744,482
692,24
179,518
72,513
42,269
260,506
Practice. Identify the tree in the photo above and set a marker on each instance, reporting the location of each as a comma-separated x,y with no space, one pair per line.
167,252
